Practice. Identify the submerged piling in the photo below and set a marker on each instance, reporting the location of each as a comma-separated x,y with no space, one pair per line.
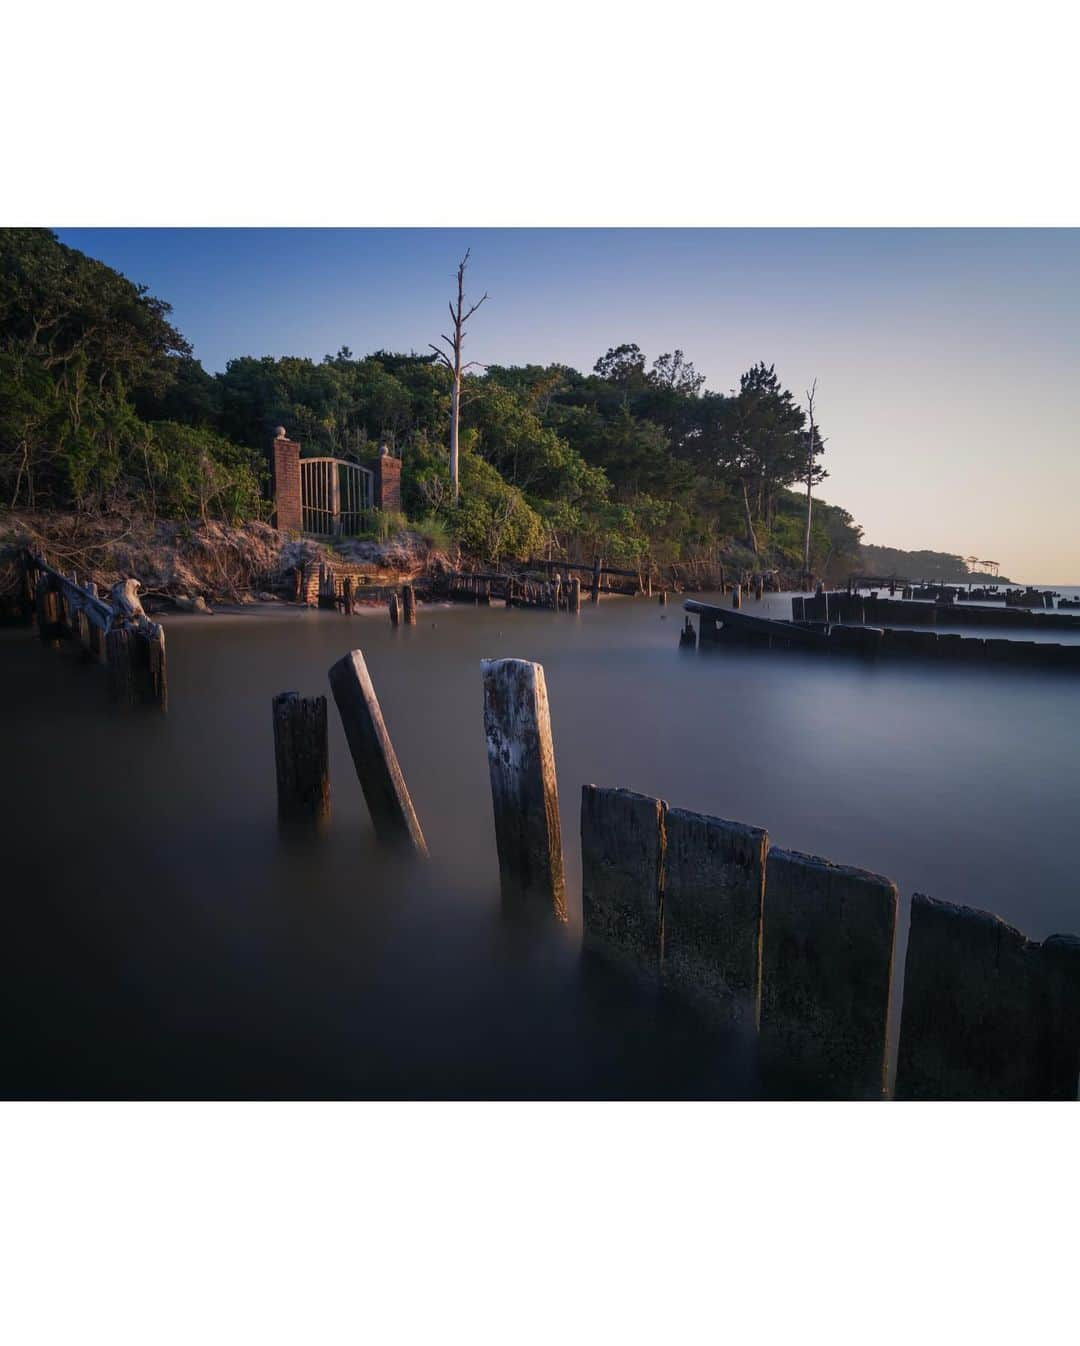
301,758
408,604
395,609
524,790
373,755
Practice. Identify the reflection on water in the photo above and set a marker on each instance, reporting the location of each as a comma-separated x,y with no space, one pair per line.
163,939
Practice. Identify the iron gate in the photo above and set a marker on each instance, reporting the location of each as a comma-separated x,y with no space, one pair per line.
335,496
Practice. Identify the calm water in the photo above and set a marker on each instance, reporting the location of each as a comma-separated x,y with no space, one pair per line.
162,939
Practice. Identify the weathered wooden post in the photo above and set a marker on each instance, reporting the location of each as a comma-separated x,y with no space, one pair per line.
524,791
988,1014
395,609
663,598
688,636
714,886
301,758
573,603
408,604
556,591
648,585
346,596
622,876
47,607
736,596
759,589
827,946
136,662
598,566
118,654
373,755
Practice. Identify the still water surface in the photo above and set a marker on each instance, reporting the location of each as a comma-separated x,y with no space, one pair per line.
163,940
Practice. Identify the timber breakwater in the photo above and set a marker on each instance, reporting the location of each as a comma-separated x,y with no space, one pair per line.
852,623
789,950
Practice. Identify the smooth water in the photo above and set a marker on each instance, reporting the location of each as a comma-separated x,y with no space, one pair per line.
162,939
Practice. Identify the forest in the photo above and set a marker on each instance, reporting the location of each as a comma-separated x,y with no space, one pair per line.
104,408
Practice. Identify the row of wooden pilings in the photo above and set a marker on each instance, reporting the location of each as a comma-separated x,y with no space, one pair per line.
790,948
113,631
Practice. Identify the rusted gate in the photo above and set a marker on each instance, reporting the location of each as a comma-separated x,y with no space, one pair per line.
336,496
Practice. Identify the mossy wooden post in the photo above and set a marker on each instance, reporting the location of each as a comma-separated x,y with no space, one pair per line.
395,609
301,758
827,946
373,755
598,566
408,604
524,790
988,1014
622,877
714,886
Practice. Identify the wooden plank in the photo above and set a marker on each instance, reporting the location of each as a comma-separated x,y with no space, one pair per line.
988,1013
622,873
373,756
524,790
301,758
714,885
827,945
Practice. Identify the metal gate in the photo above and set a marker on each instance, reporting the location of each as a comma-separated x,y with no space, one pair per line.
335,496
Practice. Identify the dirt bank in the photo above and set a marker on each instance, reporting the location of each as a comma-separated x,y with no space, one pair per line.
177,563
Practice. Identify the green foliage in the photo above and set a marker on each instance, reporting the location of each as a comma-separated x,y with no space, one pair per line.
103,404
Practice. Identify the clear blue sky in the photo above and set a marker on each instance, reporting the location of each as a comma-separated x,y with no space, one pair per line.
946,360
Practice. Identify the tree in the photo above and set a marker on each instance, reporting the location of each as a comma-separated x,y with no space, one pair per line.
815,473
451,358
623,366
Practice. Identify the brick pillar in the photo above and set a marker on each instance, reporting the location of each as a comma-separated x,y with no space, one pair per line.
387,471
288,515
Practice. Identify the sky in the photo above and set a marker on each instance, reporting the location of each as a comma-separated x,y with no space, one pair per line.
946,359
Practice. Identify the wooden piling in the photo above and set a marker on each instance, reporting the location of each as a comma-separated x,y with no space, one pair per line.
573,603
47,609
373,755
408,604
598,566
622,874
827,945
988,1014
346,597
524,791
663,598
714,887
301,758
736,596
395,609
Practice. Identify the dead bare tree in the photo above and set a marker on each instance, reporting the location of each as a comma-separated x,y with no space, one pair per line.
810,455
451,358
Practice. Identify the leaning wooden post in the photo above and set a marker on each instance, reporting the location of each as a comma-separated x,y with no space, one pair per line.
574,601
521,761
395,609
373,756
408,604
597,568
301,758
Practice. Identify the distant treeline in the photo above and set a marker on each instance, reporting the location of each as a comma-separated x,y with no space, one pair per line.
103,407
921,565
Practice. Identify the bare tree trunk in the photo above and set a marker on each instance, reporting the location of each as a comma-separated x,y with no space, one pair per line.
750,536
451,358
809,477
